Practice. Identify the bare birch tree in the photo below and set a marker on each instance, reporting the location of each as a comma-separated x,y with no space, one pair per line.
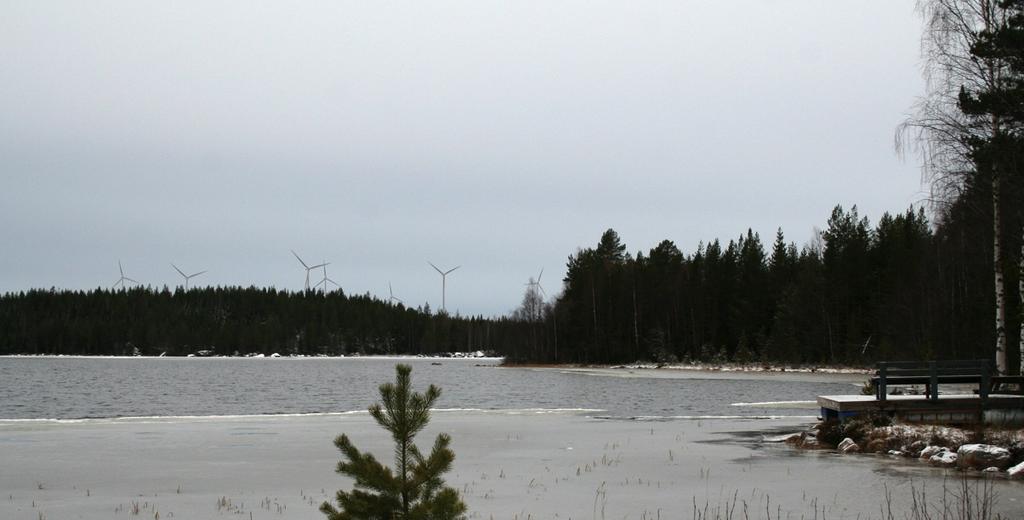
941,134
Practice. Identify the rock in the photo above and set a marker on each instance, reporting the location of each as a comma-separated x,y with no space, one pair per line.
930,451
876,446
1016,471
848,446
991,469
796,439
979,456
944,458
897,453
915,448
809,440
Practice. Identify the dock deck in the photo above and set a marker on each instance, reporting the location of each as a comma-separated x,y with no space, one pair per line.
949,408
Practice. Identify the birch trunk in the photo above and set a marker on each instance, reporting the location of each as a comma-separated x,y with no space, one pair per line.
1020,289
997,255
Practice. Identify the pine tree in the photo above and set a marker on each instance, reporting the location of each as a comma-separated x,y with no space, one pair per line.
415,489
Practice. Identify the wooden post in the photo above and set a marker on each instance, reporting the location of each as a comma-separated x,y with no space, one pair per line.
986,382
880,390
933,384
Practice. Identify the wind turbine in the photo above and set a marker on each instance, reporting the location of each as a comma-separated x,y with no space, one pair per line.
391,296
536,284
308,268
187,277
121,281
444,279
325,280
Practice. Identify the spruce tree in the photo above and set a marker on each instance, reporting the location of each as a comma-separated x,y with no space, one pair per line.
415,489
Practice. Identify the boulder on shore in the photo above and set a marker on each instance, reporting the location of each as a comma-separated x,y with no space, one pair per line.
1016,471
848,446
930,451
809,441
944,458
981,456
877,446
915,448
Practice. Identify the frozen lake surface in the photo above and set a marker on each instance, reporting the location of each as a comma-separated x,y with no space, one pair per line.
253,439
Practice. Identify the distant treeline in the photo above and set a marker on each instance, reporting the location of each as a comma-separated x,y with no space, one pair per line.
228,321
899,289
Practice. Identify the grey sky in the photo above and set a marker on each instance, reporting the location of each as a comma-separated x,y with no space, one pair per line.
378,135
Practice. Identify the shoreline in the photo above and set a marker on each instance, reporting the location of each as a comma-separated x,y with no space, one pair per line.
687,367
980,450
397,357
704,367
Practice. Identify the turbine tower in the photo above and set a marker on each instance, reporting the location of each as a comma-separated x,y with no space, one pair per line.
444,280
307,267
325,279
121,281
391,296
187,277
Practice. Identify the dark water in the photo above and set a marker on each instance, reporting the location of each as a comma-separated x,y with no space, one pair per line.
73,388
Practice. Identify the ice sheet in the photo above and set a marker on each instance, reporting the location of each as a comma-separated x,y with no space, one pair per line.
515,466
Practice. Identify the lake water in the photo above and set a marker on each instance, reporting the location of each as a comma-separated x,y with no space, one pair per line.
94,438
75,388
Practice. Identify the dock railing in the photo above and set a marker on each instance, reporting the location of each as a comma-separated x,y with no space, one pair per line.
932,374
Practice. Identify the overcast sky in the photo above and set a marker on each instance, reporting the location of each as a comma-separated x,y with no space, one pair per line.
499,136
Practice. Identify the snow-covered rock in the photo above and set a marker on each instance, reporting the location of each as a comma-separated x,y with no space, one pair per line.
915,448
897,453
929,451
809,440
979,456
848,446
275,354
788,438
991,469
880,445
1016,471
944,458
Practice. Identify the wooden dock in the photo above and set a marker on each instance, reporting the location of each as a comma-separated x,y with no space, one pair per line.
947,409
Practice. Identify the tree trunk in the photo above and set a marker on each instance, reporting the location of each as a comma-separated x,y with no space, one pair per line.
636,328
1000,288
593,306
1020,289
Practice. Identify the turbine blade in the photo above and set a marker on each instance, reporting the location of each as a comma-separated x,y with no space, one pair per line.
119,268
179,270
317,266
299,259
452,269
435,268
133,281
540,275
197,274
